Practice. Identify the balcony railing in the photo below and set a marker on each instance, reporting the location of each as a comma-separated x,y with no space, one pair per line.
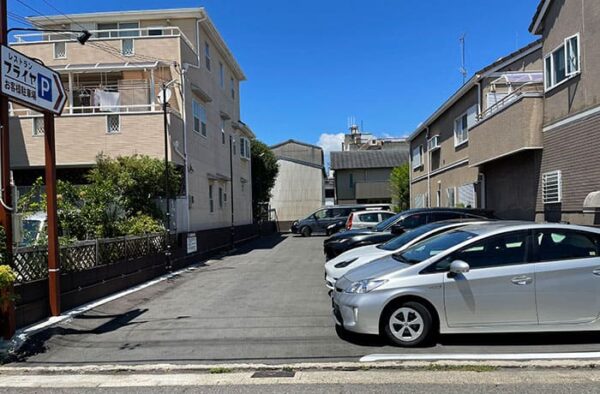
529,88
98,35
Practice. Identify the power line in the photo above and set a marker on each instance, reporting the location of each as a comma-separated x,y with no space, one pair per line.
63,14
37,12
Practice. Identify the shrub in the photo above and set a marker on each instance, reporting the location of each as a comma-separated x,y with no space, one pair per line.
7,279
141,224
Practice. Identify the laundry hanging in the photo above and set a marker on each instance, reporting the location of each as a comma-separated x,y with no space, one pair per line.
107,101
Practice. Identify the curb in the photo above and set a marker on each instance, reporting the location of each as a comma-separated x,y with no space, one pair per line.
430,366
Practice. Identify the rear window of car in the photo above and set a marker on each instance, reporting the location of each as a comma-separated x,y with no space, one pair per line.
372,217
561,244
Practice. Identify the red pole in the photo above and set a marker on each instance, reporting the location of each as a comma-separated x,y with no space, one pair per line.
53,251
5,214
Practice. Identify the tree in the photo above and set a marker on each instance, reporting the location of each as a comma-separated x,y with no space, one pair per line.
399,182
264,172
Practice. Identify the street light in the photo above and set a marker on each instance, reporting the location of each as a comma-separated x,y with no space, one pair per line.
163,98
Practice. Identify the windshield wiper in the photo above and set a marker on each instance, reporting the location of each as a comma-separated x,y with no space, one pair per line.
400,258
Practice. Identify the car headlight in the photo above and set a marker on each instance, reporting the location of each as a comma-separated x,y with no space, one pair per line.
345,263
364,286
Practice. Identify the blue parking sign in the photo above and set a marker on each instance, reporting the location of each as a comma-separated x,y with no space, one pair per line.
44,87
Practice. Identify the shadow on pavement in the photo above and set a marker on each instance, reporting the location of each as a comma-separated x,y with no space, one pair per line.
37,343
266,242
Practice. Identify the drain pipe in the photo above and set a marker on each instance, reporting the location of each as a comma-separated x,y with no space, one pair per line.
185,148
200,20
427,136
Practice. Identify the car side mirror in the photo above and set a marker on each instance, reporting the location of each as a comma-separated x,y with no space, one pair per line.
397,229
459,267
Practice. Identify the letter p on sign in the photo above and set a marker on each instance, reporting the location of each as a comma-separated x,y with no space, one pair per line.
44,87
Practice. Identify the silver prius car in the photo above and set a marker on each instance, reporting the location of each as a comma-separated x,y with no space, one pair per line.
496,277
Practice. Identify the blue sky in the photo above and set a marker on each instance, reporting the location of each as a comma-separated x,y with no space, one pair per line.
312,64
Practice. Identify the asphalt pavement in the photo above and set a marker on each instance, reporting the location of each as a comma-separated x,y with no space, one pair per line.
266,303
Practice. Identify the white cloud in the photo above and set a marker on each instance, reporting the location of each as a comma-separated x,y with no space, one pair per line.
330,143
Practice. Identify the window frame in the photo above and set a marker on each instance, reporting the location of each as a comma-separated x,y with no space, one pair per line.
211,201
465,116
420,155
220,197
64,43
550,81
453,197
232,87
207,57
221,75
202,118
132,46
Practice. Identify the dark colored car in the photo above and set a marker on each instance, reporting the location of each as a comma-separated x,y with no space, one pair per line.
319,221
396,225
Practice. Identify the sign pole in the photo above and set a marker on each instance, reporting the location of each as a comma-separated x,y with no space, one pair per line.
5,214
53,249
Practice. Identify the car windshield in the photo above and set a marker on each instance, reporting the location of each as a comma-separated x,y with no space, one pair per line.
382,226
432,246
398,242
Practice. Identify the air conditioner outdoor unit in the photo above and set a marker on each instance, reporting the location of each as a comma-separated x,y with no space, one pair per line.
433,143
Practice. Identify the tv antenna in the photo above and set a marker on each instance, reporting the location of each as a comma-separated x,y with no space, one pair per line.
463,69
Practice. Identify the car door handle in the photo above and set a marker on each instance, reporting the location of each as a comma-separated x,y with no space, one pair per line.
596,272
521,280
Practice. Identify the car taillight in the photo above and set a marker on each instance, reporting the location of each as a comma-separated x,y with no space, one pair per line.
349,222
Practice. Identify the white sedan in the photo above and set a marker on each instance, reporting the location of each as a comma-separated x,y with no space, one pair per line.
339,266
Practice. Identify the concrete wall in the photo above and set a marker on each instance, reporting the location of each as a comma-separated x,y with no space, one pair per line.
302,152
298,191
346,190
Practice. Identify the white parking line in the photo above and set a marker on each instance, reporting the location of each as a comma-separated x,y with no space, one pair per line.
496,356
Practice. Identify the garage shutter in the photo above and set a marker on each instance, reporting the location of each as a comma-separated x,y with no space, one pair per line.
466,195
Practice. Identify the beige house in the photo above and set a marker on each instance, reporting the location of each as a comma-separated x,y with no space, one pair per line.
112,83
299,186
570,177
482,147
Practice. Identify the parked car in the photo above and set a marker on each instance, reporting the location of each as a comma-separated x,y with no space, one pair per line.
366,219
489,278
318,221
339,266
394,226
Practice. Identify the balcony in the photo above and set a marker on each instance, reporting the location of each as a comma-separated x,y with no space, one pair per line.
511,125
165,43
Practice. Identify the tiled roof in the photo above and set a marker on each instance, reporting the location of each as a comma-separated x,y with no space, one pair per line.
368,159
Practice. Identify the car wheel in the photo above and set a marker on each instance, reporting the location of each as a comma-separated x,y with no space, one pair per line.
408,324
306,232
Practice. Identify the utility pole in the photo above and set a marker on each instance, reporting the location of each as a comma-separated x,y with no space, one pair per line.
51,211
168,208
231,142
463,67
5,194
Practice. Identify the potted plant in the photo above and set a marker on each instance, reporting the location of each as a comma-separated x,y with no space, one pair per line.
7,298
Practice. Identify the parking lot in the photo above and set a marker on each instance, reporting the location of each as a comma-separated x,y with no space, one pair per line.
266,303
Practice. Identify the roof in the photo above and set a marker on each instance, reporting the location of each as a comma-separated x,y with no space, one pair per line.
292,141
139,15
368,159
479,75
540,12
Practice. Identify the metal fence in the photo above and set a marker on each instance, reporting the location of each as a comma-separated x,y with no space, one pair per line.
31,263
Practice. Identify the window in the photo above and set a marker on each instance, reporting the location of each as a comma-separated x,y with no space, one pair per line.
496,251
113,123
450,197
551,187
466,196
563,62
107,26
413,221
207,55
155,32
232,88
221,197
553,245
419,201
233,145
38,126
223,131
115,27
211,203
462,125
131,29
127,48
221,75
417,157
224,197
60,50
199,118
244,148
322,214
369,217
